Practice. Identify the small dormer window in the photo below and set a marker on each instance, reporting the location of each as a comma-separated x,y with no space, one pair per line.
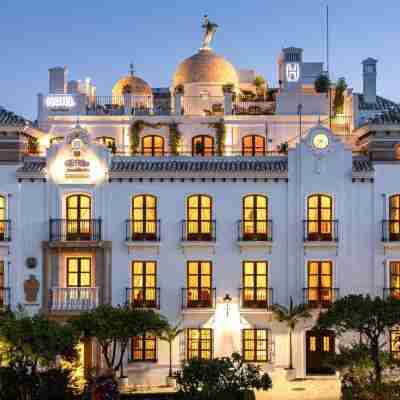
370,69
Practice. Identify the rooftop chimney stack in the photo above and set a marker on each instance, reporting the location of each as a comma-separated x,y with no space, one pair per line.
58,78
369,80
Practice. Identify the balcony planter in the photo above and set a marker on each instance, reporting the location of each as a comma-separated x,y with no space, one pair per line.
290,374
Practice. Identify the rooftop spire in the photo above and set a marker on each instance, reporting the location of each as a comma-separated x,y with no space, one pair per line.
131,69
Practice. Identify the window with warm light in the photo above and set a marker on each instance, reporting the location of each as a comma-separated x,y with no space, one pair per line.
255,284
2,285
253,145
199,284
144,348
79,272
319,217
320,283
57,140
79,208
200,343
144,217
3,217
255,345
199,217
395,343
144,282
153,146
107,141
203,146
394,216
395,279
255,217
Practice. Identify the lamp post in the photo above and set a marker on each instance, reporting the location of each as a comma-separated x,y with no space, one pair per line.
299,113
227,300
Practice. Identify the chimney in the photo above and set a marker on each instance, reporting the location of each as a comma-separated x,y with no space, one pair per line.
369,80
58,78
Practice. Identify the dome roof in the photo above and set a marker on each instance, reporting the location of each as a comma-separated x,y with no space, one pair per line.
132,85
205,67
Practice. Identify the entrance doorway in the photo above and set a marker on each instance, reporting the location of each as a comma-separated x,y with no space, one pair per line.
319,346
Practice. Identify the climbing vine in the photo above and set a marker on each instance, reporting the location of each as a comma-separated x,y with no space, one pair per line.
220,135
175,138
136,129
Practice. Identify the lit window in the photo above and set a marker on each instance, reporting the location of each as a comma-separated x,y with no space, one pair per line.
326,344
395,279
199,284
2,285
200,344
107,141
255,345
312,343
394,215
153,146
319,283
319,217
144,217
78,272
78,217
395,343
255,217
199,217
3,217
203,145
255,284
144,282
144,348
253,145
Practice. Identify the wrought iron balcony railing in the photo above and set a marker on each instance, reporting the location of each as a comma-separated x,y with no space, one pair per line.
256,298
140,297
142,230
320,297
320,230
390,230
74,298
5,297
250,231
75,230
198,298
198,231
5,230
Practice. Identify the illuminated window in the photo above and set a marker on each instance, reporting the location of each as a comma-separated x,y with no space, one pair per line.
78,217
144,217
394,215
144,348
395,343
319,217
326,344
199,284
313,343
319,283
255,217
153,146
3,218
203,145
57,140
144,282
255,345
107,141
255,284
199,217
253,145
395,279
2,285
79,272
200,344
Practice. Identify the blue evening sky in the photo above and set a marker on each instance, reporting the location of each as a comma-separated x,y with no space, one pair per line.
100,38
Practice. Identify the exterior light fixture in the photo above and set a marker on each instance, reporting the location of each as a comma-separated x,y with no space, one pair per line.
227,300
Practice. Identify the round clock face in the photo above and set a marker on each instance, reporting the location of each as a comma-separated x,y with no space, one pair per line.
320,141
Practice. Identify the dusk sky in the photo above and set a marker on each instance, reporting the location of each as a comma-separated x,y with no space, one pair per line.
100,38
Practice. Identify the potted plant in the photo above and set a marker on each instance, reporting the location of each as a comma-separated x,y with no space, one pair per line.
322,84
259,83
291,317
169,334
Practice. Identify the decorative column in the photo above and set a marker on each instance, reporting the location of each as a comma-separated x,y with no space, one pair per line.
228,103
178,103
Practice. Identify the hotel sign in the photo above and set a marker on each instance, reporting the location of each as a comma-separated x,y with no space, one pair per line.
60,102
76,168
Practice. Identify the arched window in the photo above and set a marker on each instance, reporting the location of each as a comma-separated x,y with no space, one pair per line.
255,225
153,146
78,213
107,141
319,218
3,219
202,145
394,217
144,217
199,217
253,145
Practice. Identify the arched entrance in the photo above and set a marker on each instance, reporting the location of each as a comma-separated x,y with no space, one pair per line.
319,346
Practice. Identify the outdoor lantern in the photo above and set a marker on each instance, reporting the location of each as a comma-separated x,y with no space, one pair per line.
227,300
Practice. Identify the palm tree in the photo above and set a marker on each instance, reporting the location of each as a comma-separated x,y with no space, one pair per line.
169,334
291,317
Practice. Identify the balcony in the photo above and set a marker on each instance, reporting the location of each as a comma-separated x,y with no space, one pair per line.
74,298
68,230
254,234
253,107
392,292
256,298
142,231
198,231
5,297
320,232
140,297
198,298
5,230
320,297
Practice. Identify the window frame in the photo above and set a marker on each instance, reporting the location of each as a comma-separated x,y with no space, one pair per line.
202,293
320,289
143,339
198,233
394,223
252,149
254,290
255,341
257,233
145,233
146,289
324,227
201,341
78,272
395,353
153,150
207,150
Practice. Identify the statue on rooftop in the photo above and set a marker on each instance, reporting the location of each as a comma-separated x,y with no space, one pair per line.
209,31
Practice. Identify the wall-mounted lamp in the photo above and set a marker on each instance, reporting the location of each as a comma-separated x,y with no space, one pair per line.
227,300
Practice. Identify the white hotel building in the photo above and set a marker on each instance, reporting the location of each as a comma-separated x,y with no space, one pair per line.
191,211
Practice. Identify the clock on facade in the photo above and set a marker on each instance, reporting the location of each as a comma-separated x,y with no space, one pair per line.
292,72
320,141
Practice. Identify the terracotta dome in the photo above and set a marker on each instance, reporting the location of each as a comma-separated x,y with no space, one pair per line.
132,85
205,67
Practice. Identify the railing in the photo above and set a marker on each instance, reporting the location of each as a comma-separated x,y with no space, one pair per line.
74,298
142,230
198,231
75,230
203,105
5,297
5,230
391,231
320,230
246,107
320,297
198,298
248,231
257,298
143,297
393,292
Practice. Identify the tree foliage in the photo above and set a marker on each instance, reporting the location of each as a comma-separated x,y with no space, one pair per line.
338,100
169,334
322,84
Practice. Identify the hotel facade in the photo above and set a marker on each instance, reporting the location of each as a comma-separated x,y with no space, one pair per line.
177,199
